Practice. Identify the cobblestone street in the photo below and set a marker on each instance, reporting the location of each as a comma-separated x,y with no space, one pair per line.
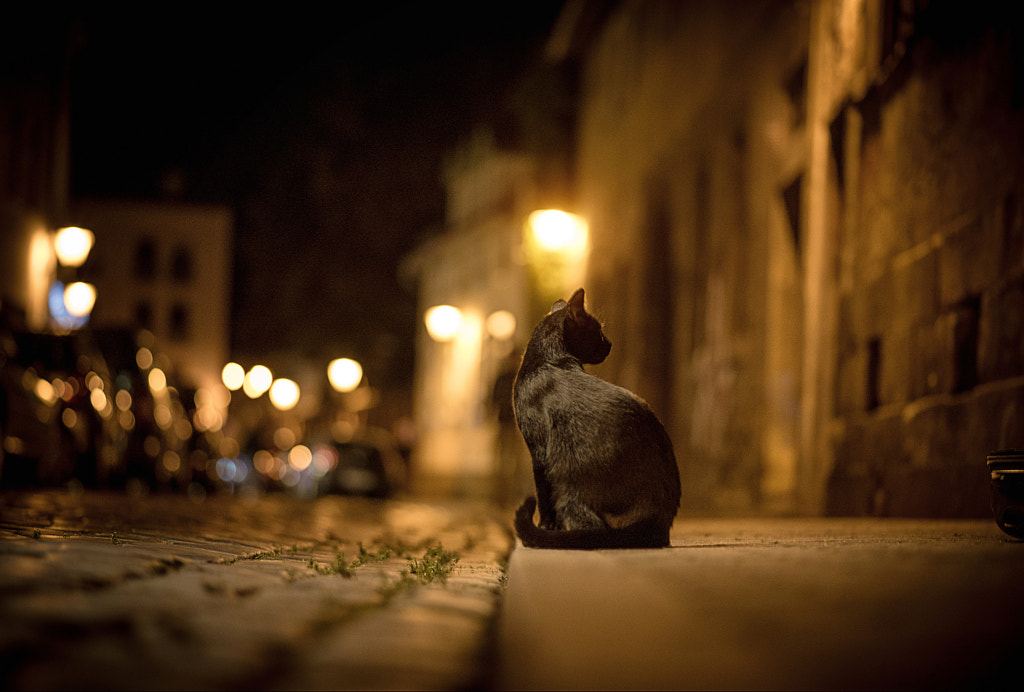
104,591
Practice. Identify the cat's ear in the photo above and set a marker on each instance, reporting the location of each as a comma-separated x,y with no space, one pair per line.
559,305
576,304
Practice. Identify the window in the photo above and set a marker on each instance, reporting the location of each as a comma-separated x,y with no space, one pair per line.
144,315
179,322
182,265
145,259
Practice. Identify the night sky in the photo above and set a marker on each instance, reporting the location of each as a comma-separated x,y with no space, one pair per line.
324,130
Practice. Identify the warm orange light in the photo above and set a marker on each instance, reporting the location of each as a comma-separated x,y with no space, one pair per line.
344,374
233,376
257,381
72,245
284,394
443,322
558,231
501,324
79,298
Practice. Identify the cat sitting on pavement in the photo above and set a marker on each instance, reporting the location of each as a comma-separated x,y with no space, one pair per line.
603,465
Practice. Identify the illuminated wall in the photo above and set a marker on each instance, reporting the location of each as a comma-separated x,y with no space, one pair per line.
476,265
805,223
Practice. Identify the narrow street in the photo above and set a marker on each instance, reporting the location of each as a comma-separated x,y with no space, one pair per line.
104,591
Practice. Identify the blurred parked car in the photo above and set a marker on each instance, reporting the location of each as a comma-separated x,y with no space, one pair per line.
57,413
360,471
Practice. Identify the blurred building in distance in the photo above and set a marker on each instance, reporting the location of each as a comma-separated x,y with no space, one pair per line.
475,269
165,266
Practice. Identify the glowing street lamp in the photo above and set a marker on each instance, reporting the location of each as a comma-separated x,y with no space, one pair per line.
257,381
72,245
284,394
233,376
558,231
344,374
79,298
443,322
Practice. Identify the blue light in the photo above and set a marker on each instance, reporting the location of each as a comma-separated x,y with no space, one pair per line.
59,312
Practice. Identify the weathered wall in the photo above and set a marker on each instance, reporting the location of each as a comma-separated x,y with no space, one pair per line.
807,236
687,137
931,349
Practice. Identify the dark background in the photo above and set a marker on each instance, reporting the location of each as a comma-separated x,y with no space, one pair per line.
324,129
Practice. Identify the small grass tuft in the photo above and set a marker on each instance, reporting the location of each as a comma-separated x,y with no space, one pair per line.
435,565
340,565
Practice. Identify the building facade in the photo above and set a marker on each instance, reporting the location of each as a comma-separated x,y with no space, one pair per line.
478,264
806,242
165,267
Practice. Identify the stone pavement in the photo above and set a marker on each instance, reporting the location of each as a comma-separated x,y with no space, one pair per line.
104,591
772,604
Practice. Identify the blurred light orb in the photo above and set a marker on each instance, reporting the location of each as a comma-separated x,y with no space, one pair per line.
233,376
501,324
257,381
300,457
45,391
123,399
79,298
284,394
443,322
98,399
226,469
72,245
144,358
157,380
344,374
558,231
284,437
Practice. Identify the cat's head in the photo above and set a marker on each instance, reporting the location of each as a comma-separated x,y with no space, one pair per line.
581,331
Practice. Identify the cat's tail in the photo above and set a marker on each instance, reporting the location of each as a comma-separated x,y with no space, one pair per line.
639,535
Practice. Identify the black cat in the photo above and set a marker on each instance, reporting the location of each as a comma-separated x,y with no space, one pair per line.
603,465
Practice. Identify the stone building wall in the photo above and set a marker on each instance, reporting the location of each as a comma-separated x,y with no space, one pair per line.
806,225
931,299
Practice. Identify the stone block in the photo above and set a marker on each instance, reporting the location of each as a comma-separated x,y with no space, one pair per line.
931,433
942,492
995,420
894,366
1011,218
969,260
1001,333
877,306
931,368
915,286
851,381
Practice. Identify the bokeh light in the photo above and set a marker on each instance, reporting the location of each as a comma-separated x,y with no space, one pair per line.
72,245
501,324
157,380
284,394
144,358
344,374
443,322
300,457
233,376
558,231
79,298
257,381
